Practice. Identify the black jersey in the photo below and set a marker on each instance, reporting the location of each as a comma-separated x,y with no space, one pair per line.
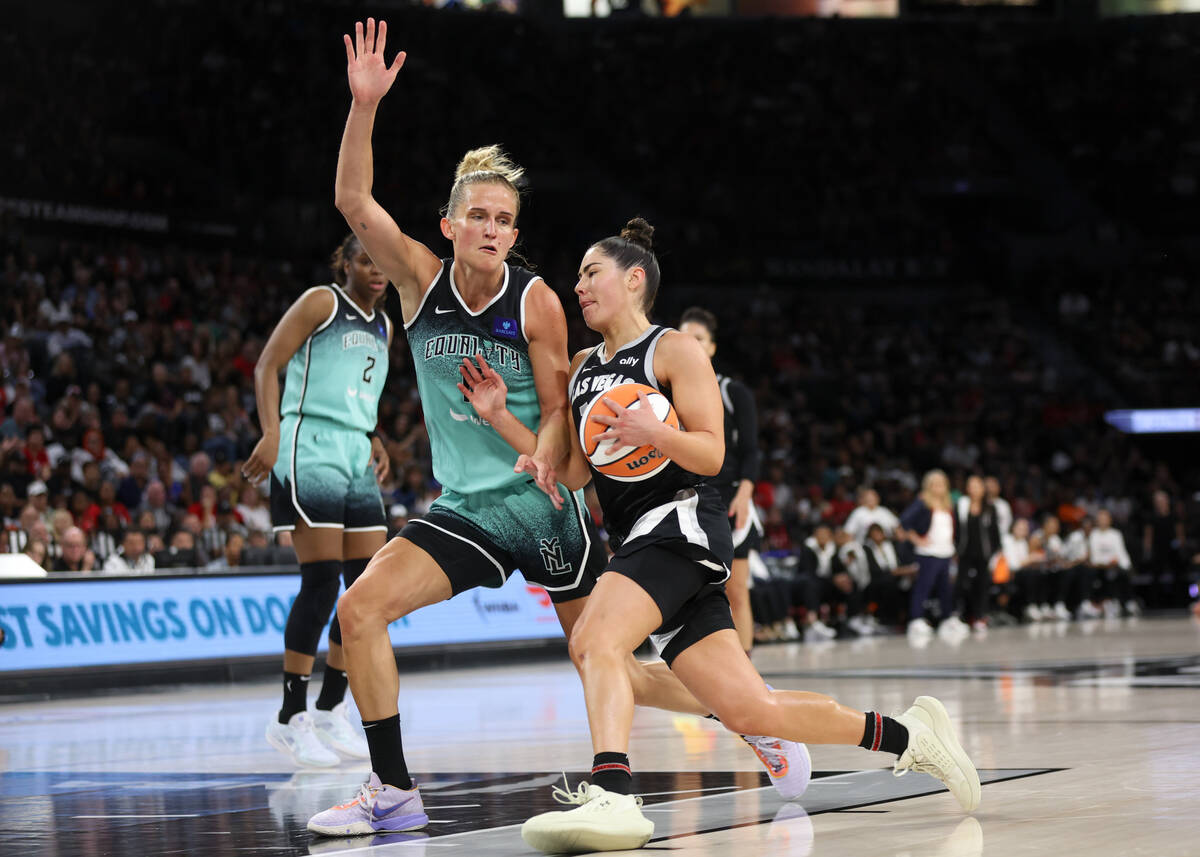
741,437
668,504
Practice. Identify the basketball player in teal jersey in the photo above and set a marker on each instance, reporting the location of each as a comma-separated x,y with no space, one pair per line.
324,465
490,519
673,549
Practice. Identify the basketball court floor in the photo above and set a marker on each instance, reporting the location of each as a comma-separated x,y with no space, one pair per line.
1087,738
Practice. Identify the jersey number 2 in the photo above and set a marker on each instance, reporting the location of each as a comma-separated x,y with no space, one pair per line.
367,371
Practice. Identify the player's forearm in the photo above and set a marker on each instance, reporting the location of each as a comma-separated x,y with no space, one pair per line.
355,167
700,452
553,437
514,432
266,397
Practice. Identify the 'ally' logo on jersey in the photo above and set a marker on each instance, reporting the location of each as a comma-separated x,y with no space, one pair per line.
506,327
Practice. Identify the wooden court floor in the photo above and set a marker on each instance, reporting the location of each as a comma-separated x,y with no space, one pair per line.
1087,738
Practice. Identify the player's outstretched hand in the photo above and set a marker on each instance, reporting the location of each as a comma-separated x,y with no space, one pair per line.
369,74
262,459
544,476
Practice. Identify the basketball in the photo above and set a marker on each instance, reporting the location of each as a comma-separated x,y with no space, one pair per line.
624,463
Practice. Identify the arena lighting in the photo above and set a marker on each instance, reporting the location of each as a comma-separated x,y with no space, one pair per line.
1155,421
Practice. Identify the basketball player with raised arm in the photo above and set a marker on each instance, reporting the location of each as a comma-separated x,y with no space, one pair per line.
666,578
490,519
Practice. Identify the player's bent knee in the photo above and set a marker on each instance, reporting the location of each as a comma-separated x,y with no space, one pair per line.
586,645
747,715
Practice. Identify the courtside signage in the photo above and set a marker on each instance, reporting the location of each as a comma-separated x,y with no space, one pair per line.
106,622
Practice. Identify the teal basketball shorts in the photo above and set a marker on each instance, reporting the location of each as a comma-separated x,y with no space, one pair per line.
480,539
323,477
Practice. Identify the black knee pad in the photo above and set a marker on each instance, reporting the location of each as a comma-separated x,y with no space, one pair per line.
319,584
352,569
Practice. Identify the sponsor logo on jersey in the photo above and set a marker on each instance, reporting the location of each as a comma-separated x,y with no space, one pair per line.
440,311
629,361
467,418
506,327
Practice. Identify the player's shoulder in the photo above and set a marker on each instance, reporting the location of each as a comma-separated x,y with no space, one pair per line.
676,346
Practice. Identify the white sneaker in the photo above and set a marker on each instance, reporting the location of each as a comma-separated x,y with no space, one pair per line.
1088,610
979,628
1112,610
1132,608
337,732
919,628
953,628
1061,612
298,739
601,821
816,631
1033,613
933,749
860,626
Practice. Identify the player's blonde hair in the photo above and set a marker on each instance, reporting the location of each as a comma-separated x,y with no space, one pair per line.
486,164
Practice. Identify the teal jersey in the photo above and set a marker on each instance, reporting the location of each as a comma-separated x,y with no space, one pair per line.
469,455
339,372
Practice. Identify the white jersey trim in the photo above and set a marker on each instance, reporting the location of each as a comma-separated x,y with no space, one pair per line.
329,320
602,353
587,551
356,307
650,361
458,297
490,558
524,296
579,368
425,297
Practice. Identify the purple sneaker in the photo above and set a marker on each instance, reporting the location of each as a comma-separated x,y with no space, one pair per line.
377,808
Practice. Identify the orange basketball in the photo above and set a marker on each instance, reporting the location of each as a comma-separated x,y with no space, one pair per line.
624,463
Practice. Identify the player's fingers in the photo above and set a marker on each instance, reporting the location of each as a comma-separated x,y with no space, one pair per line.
397,63
604,419
475,373
466,391
483,364
381,37
616,409
358,38
370,43
349,47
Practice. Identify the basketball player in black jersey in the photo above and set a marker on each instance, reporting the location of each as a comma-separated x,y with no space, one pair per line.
673,547
738,472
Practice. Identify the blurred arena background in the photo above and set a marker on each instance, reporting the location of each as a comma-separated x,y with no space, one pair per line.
936,234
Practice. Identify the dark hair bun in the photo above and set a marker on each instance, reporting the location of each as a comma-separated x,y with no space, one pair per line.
639,232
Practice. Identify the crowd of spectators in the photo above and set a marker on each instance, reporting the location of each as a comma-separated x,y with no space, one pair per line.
127,362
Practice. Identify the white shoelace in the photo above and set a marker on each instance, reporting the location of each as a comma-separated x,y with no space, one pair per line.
579,797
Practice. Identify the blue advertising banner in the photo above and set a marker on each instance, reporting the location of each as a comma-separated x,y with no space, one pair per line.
52,625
